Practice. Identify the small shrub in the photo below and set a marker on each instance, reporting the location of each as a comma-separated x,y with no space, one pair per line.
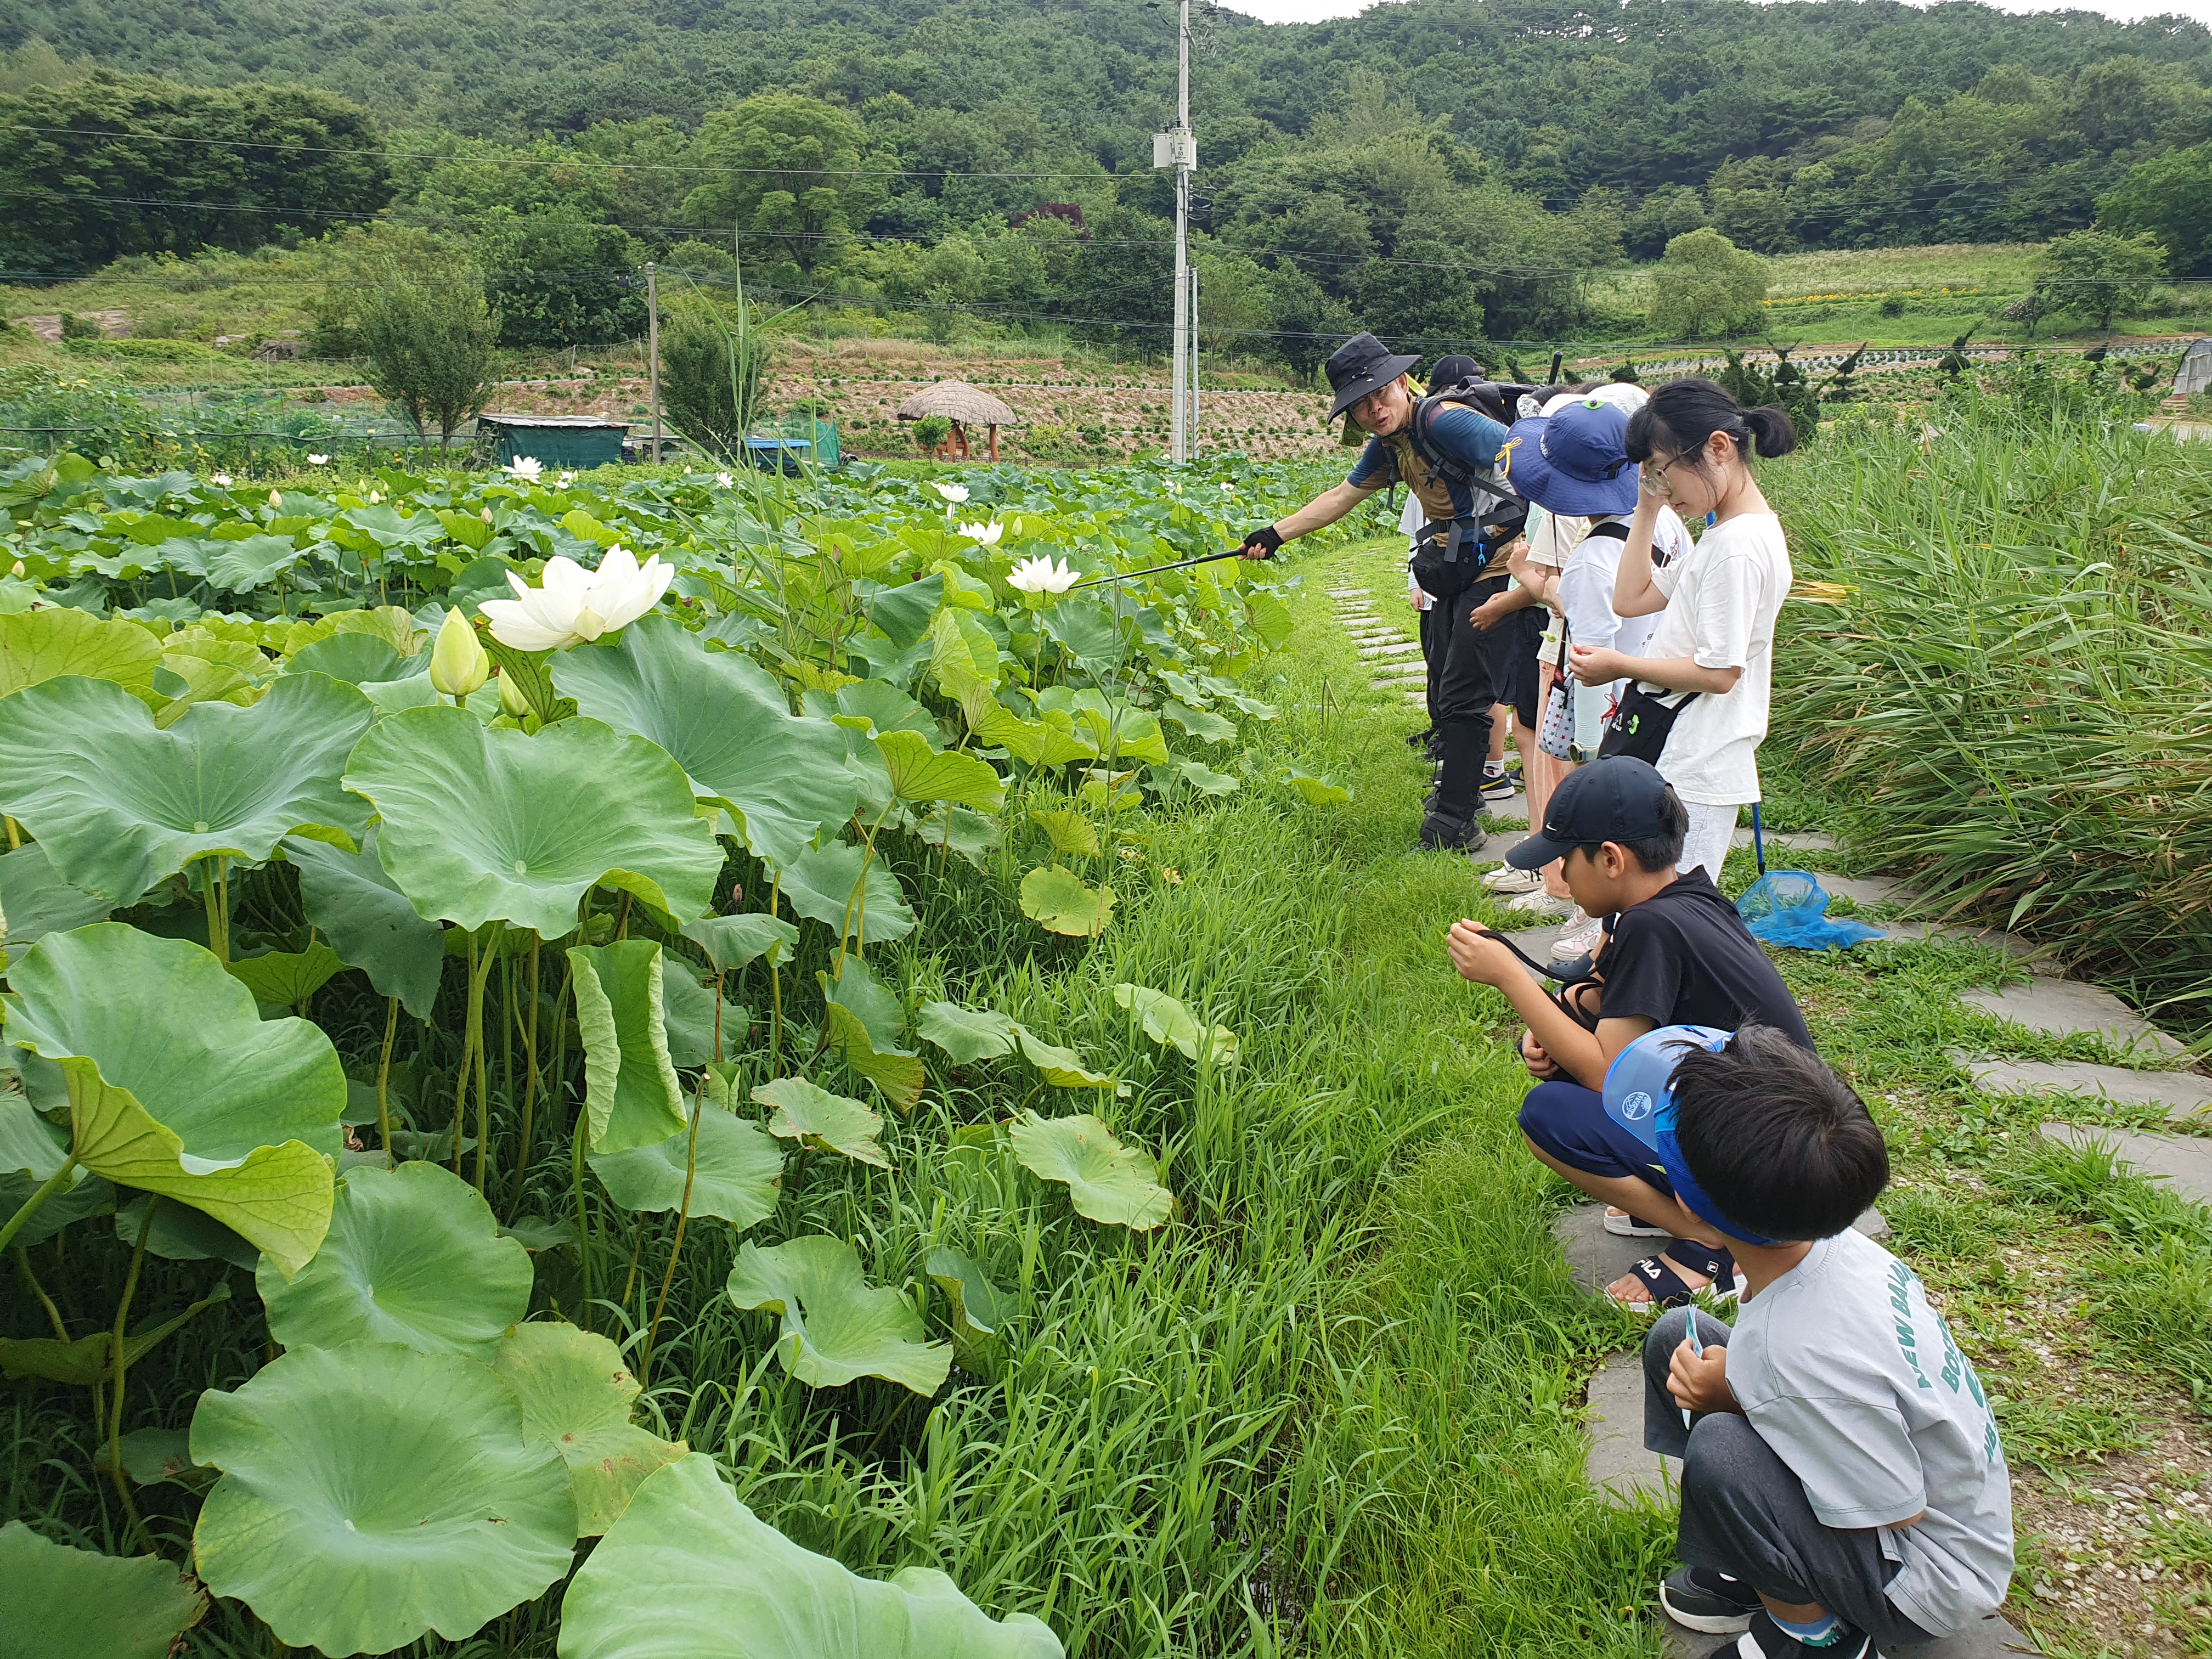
75,327
930,431
1893,305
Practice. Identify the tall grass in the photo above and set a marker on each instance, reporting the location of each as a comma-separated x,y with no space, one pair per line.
2013,698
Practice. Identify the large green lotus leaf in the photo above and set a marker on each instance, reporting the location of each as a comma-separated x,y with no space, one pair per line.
283,978
875,1005
1168,1023
483,824
176,1084
722,716
836,1326
898,1073
902,610
357,659
34,901
824,884
1060,902
968,1034
689,1572
241,566
181,1233
119,803
371,1494
576,1397
414,1255
1108,1181
366,919
1205,726
1070,831
31,1150
918,773
45,644
738,1175
57,1602
688,1015
814,1117
631,1096
732,942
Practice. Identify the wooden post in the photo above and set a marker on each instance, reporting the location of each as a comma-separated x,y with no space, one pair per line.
652,352
995,443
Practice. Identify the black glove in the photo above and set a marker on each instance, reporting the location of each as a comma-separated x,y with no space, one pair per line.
1265,539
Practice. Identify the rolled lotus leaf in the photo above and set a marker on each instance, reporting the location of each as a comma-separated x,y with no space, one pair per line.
723,717
1171,1024
815,1117
967,1035
576,1397
825,885
737,1174
1106,1180
57,1602
176,1084
414,1255
689,1572
631,1096
362,911
483,824
371,1494
119,803
53,640
836,1326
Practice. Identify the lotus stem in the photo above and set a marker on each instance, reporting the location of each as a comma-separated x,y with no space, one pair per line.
477,977
528,1079
683,1209
776,981
468,1050
14,835
214,889
636,1249
52,1184
31,1280
118,1359
383,1081
583,1216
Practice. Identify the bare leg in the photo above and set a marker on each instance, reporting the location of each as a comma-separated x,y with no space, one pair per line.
1501,716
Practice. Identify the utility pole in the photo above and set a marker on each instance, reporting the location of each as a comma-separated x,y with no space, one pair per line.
1178,148
1192,397
652,352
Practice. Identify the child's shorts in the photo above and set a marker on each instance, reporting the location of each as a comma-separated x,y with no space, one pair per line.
1569,1122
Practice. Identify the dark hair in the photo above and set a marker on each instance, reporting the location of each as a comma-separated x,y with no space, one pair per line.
1779,1141
1661,852
1682,414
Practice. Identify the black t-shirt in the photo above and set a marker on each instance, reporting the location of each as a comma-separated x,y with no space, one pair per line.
1684,957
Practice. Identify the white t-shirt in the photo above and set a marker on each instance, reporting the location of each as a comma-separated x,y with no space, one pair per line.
1409,525
1586,586
1722,600
1853,1381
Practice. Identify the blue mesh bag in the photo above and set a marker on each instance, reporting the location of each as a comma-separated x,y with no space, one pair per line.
1791,907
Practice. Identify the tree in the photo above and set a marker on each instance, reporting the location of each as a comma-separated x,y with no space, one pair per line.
358,263
90,170
2170,197
797,176
1423,301
1706,282
711,361
1232,300
427,342
557,279
1308,322
2100,274
1120,283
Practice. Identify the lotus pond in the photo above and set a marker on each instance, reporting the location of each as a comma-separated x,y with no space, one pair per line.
548,1105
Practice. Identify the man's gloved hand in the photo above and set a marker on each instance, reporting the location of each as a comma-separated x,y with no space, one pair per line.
1262,543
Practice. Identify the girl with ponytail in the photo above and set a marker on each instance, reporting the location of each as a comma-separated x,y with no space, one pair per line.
1699,708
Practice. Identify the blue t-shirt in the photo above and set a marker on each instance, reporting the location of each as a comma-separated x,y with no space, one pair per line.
1457,432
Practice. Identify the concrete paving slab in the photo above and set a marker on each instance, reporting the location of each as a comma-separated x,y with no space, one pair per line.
2036,958
1811,839
1597,1257
1865,890
1617,1464
1993,1638
1402,647
2185,1162
2066,1007
2183,1094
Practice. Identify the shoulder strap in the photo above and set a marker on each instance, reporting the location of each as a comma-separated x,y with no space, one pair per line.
1424,417
1612,530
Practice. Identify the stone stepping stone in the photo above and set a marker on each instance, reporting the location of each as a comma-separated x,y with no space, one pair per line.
1398,650
1807,840
1864,890
2067,1007
1596,1257
1993,1638
2183,1094
2185,1162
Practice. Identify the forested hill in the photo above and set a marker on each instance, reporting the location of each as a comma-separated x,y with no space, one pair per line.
1638,98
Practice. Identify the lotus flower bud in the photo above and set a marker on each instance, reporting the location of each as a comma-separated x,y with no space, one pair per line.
275,500
458,664
18,570
512,702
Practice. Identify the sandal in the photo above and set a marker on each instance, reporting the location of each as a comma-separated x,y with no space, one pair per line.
1622,1224
1667,1287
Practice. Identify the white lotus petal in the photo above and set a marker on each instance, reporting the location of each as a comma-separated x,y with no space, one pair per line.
512,628
589,625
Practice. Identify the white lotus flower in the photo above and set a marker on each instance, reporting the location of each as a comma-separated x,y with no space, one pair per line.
1228,489
576,605
723,480
565,479
1042,576
988,534
318,460
954,493
220,480
525,469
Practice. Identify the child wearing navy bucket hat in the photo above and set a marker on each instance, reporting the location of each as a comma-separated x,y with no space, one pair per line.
1843,1479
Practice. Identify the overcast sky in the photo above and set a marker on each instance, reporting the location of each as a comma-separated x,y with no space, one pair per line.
1313,11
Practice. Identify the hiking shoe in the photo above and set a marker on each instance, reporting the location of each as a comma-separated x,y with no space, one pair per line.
1420,739
1705,1599
1767,1640
1439,833
1506,879
1496,785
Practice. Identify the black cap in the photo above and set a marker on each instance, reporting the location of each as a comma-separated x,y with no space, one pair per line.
1453,370
1619,799
1361,365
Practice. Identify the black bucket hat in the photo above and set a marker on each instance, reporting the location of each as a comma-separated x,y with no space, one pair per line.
1361,365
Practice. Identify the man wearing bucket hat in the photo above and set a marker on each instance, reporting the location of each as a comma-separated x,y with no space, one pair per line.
1843,1479
1442,448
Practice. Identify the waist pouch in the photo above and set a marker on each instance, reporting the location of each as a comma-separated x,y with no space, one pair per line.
1450,557
1641,724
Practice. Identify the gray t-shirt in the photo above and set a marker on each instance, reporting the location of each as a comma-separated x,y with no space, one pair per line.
1854,1380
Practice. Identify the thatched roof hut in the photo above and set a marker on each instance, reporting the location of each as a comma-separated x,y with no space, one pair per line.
956,400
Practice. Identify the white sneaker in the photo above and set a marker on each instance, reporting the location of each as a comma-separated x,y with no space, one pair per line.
1542,904
1506,879
1578,941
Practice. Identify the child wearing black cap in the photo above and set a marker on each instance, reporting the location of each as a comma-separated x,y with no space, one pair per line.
1843,1481
1677,955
